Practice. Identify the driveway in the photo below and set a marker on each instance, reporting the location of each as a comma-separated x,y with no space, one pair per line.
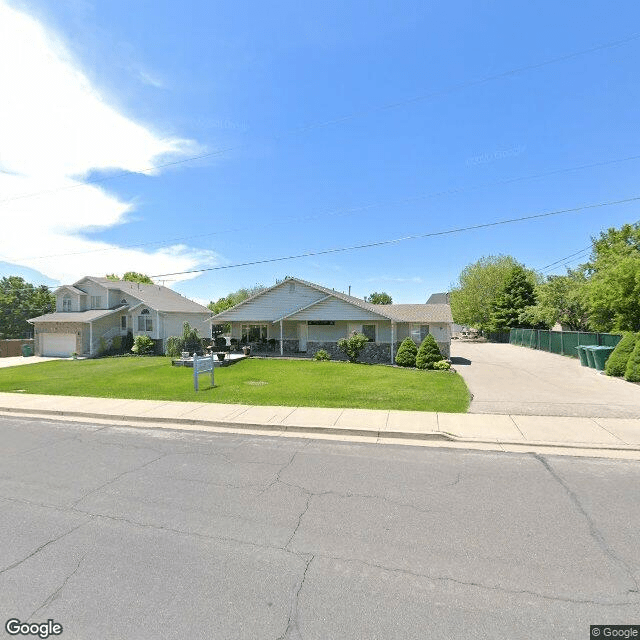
14,361
507,379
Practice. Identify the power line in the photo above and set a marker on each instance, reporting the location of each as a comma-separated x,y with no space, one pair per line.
402,239
318,125
357,209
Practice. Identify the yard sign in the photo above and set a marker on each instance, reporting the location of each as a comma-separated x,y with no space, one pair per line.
201,365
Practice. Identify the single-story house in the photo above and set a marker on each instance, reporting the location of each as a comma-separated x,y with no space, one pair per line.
303,317
98,309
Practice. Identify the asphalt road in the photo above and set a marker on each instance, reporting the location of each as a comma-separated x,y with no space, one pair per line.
115,532
509,379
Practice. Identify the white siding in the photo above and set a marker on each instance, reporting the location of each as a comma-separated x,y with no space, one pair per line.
274,304
171,324
328,333
334,309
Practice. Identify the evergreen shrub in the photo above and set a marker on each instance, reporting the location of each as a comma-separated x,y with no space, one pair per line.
632,372
616,364
407,351
428,353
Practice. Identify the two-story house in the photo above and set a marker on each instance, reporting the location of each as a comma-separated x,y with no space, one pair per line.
92,311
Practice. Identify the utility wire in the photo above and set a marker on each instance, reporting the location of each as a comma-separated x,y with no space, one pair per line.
356,209
318,125
402,239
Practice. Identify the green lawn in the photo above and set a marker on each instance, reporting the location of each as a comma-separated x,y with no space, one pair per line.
255,382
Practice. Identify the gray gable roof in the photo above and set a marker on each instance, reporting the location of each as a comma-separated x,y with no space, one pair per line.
422,313
76,316
153,295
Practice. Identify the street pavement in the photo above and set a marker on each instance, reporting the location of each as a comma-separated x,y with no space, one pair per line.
119,532
508,379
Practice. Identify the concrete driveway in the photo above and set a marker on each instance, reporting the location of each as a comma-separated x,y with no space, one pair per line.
14,361
507,379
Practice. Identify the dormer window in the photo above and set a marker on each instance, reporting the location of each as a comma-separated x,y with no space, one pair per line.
123,301
66,303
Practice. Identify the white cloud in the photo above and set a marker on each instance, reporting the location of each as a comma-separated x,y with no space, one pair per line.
55,128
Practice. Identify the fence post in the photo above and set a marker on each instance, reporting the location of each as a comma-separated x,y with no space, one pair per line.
212,367
561,343
195,371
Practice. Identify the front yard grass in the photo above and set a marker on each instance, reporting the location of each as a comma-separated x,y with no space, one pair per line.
254,381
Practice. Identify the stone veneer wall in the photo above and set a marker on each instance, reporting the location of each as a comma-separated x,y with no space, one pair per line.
374,353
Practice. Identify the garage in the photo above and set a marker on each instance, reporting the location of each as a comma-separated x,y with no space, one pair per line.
58,344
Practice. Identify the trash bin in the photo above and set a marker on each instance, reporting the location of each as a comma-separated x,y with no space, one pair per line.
27,350
600,355
582,354
588,350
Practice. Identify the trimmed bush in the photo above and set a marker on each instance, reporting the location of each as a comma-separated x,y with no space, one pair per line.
407,351
632,373
428,353
441,365
174,346
188,341
353,345
616,364
321,354
142,345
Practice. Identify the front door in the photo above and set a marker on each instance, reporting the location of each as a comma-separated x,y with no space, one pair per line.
303,335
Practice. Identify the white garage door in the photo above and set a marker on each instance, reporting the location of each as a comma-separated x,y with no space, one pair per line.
58,344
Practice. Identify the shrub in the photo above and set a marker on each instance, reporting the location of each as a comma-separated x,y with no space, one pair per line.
441,365
142,345
428,353
407,351
617,362
353,345
173,348
127,343
632,372
116,344
188,341
322,355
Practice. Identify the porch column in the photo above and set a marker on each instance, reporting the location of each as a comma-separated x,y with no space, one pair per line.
393,332
281,340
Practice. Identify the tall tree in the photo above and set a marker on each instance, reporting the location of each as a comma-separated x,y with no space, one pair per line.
613,290
132,276
473,297
513,299
234,298
376,297
560,299
19,301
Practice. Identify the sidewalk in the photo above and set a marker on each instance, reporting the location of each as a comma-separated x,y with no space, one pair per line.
599,437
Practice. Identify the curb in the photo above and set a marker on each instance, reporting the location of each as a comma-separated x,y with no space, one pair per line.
434,436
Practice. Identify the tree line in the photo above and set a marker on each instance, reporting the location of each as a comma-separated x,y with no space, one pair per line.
497,293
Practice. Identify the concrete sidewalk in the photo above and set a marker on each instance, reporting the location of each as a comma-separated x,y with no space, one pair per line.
609,437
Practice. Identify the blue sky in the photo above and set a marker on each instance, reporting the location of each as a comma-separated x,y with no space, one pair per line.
326,124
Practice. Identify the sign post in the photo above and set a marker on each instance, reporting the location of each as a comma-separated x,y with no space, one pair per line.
202,365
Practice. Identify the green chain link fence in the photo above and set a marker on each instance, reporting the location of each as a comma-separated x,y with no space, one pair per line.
562,342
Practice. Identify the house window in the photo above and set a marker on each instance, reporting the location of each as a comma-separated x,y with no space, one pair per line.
66,303
96,302
254,332
419,332
123,323
145,322
369,331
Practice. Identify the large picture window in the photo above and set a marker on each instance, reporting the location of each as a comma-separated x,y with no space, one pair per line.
145,321
254,332
369,331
